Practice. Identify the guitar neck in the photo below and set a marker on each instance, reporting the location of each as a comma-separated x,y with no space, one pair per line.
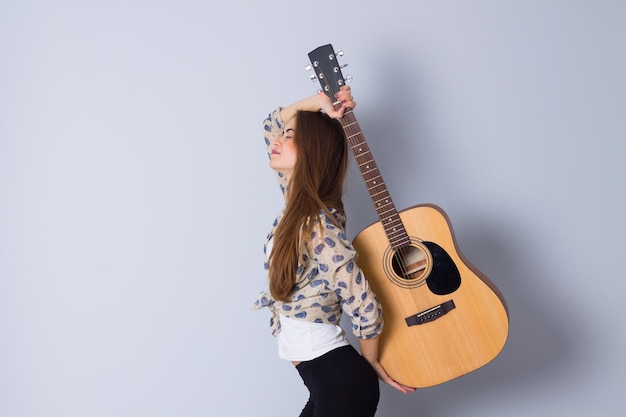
385,208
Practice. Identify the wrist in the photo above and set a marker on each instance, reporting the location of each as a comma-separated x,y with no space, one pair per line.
312,103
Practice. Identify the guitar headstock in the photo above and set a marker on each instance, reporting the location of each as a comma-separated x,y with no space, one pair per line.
327,69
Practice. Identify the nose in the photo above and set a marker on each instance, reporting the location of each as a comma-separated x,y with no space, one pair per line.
279,140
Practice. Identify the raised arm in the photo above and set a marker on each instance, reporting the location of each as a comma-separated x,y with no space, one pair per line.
274,124
320,102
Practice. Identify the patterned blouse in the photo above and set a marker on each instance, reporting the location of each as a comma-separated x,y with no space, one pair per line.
328,279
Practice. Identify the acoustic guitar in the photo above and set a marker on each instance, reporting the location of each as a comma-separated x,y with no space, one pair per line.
443,317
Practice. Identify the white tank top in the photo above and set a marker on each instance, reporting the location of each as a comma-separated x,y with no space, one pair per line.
302,340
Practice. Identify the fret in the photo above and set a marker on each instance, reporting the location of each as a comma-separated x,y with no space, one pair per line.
372,195
373,175
365,158
383,210
376,178
399,241
377,188
394,225
365,163
396,238
391,227
366,155
360,152
383,206
374,184
395,219
380,203
383,213
350,123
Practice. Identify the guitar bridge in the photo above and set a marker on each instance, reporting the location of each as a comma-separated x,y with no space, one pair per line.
431,314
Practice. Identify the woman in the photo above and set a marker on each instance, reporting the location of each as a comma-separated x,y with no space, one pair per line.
311,266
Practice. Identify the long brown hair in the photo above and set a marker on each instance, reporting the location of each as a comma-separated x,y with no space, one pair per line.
316,184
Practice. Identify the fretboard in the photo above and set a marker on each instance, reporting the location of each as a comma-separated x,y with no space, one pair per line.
385,208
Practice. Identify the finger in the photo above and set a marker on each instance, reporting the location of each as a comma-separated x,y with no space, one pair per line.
402,388
344,94
384,376
337,114
345,97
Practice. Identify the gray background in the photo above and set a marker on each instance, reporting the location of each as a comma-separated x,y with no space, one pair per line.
135,193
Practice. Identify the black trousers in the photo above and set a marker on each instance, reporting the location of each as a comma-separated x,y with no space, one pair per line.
341,383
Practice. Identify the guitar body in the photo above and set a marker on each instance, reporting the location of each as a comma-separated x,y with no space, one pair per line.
454,343
443,318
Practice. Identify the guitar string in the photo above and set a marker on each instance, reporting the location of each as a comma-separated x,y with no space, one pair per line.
339,80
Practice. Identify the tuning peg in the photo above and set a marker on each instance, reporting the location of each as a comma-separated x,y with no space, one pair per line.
308,67
313,77
337,69
348,78
339,52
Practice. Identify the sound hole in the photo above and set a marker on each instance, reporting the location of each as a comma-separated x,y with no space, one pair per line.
422,263
410,263
409,266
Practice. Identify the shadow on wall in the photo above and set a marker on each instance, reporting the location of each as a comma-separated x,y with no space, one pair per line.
537,348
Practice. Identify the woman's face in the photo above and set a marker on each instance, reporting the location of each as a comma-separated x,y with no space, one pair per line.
283,155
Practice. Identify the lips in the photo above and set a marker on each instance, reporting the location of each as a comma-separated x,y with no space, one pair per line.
275,152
